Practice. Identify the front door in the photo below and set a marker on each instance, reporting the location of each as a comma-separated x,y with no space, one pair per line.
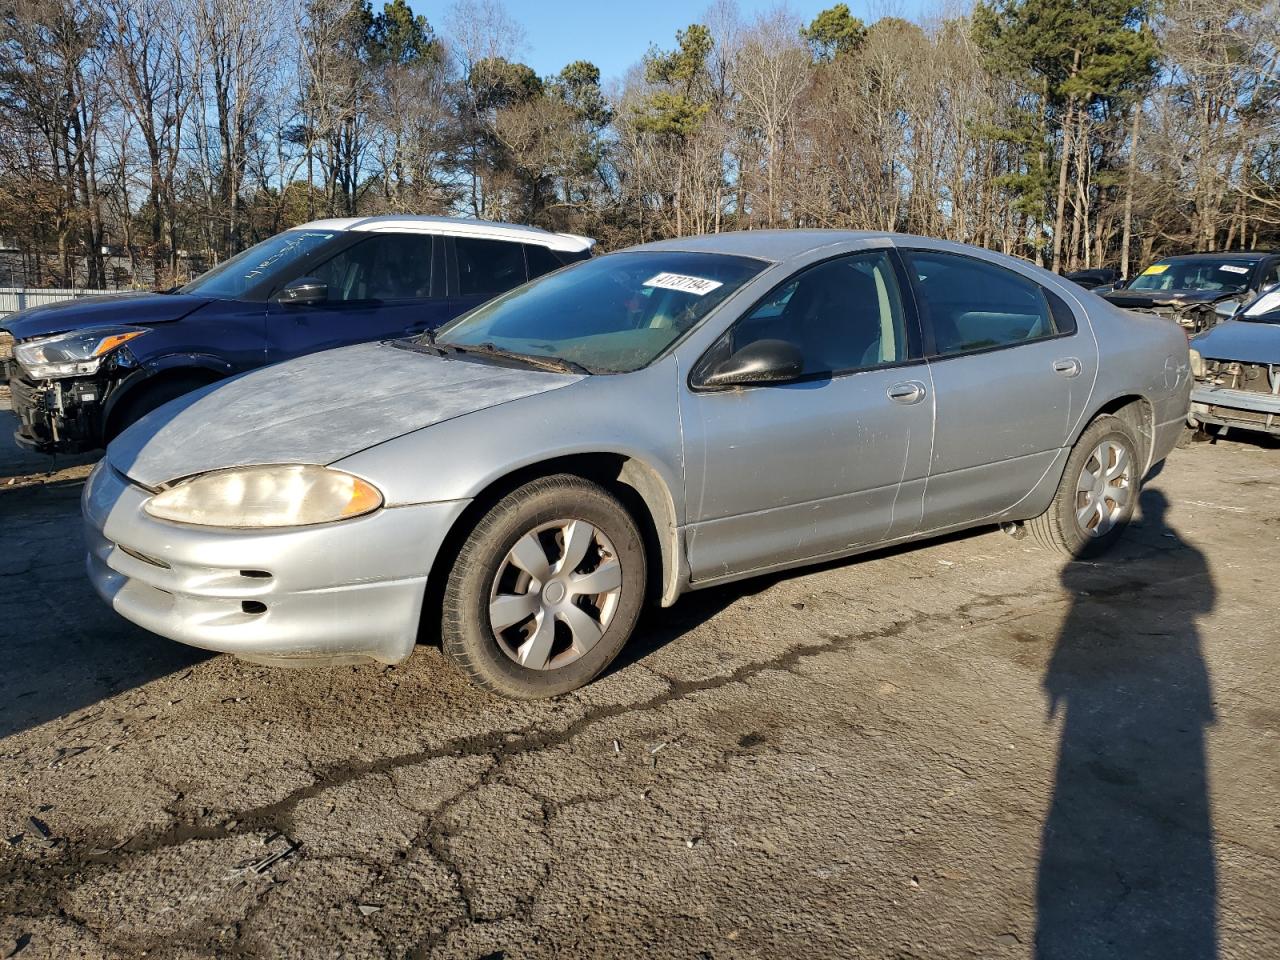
379,288
1012,370
821,466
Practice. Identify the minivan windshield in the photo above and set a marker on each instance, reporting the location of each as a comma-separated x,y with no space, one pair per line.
1227,275
230,279
612,314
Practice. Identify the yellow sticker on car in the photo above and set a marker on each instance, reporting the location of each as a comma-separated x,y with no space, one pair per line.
1155,268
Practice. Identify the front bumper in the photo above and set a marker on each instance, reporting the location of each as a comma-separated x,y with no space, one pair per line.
1250,409
335,593
58,416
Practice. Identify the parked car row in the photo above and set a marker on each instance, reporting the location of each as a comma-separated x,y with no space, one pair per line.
1229,303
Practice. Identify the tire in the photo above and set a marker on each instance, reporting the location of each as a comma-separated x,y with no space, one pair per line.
147,397
517,622
1059,528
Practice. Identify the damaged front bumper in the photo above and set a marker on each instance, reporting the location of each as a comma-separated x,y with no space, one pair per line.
57,416
339,592
1238,395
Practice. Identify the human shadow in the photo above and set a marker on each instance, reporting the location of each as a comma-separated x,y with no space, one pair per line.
1127,853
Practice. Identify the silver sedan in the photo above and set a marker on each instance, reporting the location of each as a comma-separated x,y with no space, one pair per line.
662,419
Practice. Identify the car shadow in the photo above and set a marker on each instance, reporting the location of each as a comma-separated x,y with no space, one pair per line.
661,626
1126,863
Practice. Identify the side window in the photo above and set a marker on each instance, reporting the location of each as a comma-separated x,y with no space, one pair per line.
488,266
974,305
387,266
1272,276
540,260
844,314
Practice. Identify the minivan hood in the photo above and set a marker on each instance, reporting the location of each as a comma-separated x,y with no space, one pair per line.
315,409
99,311
1246,341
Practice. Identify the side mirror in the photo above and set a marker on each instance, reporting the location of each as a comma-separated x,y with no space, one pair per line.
759,363
304,292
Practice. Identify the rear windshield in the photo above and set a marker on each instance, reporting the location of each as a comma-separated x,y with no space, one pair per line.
610,314
1227,275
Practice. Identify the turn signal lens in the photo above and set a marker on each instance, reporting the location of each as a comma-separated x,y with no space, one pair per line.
291,495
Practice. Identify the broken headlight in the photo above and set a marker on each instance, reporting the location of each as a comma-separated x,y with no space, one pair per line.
291,495
1197,365
76,354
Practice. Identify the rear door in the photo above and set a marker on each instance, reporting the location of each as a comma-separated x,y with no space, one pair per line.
1013,367
380,288
479,269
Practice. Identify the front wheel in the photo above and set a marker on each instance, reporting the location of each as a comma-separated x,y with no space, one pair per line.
545,590
1097,494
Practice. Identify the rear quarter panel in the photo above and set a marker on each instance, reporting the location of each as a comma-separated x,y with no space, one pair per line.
1144,355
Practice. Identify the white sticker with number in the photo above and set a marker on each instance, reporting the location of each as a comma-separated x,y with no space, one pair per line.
1232,268
698,286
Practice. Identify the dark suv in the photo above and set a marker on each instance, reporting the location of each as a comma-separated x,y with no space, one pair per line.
83,370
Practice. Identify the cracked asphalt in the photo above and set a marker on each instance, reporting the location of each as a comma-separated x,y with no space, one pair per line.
965,749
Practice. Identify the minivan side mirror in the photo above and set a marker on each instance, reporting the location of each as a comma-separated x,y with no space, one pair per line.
304,292
757,364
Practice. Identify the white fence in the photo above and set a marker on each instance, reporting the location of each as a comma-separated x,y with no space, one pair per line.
13,299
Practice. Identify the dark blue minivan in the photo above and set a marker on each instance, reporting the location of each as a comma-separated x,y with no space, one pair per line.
83,370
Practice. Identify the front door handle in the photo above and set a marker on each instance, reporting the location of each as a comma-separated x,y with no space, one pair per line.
1067,367
908,391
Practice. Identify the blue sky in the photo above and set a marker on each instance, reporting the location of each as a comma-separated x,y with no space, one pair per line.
614,34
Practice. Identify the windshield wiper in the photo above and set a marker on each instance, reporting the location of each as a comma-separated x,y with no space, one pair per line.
532,359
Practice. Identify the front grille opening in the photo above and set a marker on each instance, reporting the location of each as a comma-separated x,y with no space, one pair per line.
255,574
154,561
253,607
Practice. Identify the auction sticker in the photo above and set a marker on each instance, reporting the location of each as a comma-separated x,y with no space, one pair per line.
698,286
1233,268
1155,268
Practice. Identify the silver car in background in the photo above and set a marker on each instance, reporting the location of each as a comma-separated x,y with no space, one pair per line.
665,418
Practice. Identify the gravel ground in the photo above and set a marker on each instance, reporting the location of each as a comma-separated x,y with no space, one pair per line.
967,749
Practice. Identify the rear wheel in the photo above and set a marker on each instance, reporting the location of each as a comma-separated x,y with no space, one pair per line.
545,590
1097,494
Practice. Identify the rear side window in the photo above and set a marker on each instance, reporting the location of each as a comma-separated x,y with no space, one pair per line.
488,267
540,260
387,266
974,305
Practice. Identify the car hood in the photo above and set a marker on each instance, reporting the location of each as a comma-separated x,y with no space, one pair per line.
1161,298
316,409
1247,341
99,311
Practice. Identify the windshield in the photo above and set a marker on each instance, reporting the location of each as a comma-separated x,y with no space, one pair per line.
611,314
1227,275
230,279
1266,309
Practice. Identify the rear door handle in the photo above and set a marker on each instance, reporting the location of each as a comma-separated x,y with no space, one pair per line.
1067,367
908,391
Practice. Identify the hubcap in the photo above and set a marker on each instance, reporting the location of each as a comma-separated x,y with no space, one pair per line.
1104,488
554,594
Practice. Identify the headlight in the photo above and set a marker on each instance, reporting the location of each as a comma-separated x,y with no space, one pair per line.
76,354
1197,365
277,496
1226,308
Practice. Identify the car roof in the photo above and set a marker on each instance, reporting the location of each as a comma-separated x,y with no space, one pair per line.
772,245
1222,255
455,227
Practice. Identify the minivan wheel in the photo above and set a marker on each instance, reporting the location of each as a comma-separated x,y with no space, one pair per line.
545,590
1097,494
